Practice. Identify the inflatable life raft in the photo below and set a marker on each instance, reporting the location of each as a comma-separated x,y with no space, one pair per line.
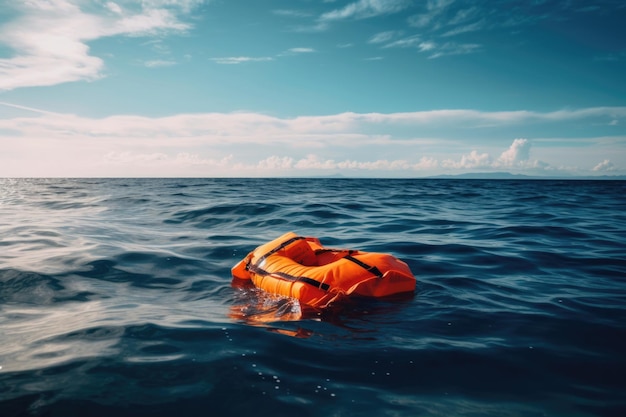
300,267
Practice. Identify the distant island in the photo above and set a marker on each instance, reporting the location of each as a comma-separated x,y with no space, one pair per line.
510,176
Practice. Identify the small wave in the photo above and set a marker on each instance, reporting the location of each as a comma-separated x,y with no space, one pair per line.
225,210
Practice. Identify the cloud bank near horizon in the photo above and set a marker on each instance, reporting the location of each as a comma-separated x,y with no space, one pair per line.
44,143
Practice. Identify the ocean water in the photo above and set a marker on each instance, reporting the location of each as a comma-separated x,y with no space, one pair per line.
116,299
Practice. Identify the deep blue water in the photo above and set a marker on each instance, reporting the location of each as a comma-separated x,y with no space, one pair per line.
115,299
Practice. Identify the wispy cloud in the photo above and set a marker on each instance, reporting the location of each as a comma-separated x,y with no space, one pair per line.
452,48
434,49
383,37
156,63
301,50
443,19
315,27
605,166
292,13
30,109
233,60
455,17
440,20
470,27
430,16
114,7
407,42
464,15
363,9
49,38
427,46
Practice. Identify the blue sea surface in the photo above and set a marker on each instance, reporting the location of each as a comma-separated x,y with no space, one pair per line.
116,299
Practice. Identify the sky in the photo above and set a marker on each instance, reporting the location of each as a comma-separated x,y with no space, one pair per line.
360,88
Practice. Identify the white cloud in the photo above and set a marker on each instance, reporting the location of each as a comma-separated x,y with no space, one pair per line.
149,22
469,161
231,60
301,50
363,9
276,163
426,164
186,6
605,166
515,158
434,8
126,157
49,37
407,42
517,154
470,27
316,163
383,37
427,46
435,49
159,63
114,7
451,48
313,28
313,162
421,20
462,16
439,4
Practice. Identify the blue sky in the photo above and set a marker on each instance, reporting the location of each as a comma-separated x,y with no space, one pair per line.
379,88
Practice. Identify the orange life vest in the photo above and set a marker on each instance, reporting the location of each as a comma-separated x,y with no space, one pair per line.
300,267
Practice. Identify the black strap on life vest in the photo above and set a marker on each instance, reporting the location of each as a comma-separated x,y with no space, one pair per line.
255,268
279,247
373,269
326,250
259,271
